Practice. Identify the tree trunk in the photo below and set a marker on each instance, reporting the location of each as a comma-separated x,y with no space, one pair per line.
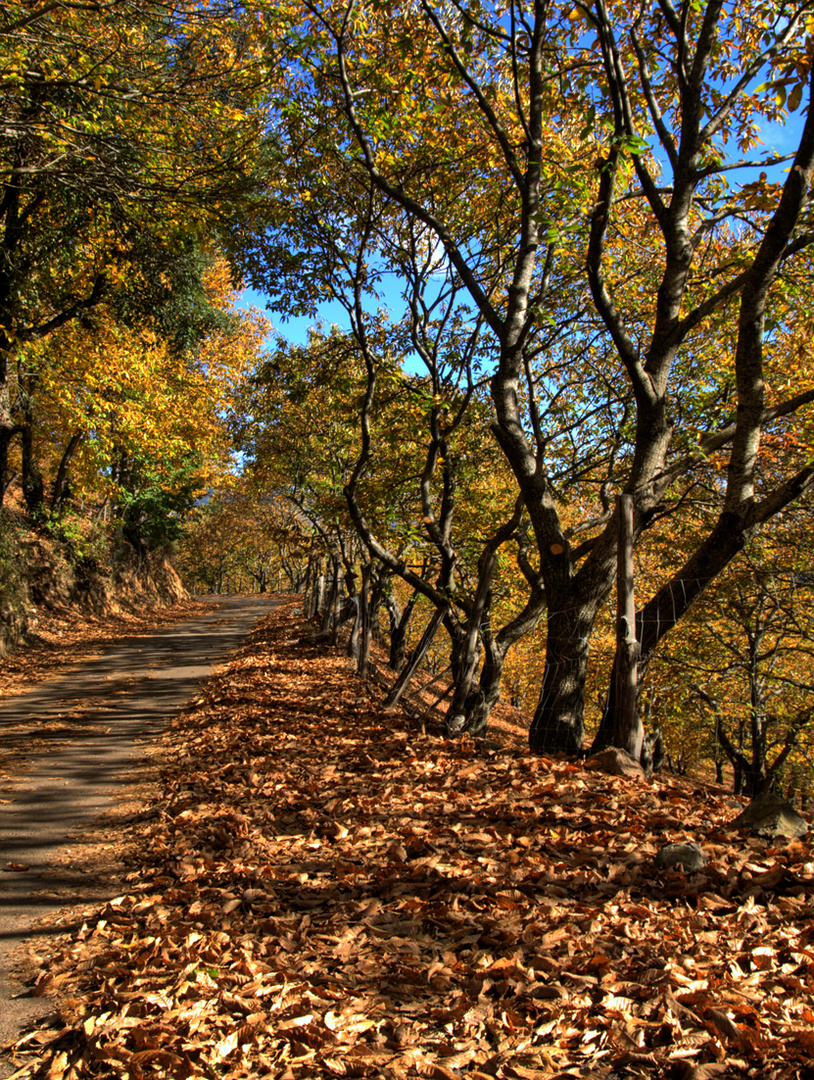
664,610
379,582
741,765
757,778
312,588
8,429
558,726
473,702
329,615
628,730
467,649
33,487
464,660
352,649
60,493
306,588
398,631
7,432
32,482
363,659
473,715
621,725
319,595
716,735
737,780
417,655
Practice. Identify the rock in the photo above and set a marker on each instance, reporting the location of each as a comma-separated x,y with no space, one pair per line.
771,815
616,762
317,637
687,856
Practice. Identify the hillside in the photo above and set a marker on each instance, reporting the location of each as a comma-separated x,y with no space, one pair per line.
65,585
320,889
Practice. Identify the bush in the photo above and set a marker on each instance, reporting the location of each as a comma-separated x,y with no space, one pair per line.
85,543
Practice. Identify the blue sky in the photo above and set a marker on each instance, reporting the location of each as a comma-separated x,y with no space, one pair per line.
295,329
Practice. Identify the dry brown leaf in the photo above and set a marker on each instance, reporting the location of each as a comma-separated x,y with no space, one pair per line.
347,895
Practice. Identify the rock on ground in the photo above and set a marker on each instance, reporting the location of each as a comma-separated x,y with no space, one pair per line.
616,762
771,815
688,856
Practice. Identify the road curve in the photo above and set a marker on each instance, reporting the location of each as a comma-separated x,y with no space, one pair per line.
70,769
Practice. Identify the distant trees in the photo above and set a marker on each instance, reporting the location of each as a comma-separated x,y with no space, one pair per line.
388,469
243,539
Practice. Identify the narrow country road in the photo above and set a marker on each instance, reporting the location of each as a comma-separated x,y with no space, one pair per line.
80,736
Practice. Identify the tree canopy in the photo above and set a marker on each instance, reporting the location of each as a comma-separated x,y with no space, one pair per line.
571,271
128,132
591,177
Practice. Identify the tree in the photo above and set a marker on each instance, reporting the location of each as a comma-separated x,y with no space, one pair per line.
415,491
123,136
536,177
240,539
133,423
746,655
292,427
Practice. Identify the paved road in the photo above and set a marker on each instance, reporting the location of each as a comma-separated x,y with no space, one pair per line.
103,711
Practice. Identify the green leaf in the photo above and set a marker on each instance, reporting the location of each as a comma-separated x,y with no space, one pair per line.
590,123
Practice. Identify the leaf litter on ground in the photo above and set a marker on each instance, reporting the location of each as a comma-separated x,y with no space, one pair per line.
322,889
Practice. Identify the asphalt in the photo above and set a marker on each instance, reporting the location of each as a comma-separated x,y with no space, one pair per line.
76,739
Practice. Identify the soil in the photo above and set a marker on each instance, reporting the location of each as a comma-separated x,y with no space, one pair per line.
320,887
106,736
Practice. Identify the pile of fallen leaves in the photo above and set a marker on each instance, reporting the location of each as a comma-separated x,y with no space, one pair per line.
324,891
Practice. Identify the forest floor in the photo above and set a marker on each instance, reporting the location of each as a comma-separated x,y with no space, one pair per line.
314,888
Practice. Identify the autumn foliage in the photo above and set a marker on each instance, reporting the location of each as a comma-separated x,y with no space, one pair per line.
568,269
